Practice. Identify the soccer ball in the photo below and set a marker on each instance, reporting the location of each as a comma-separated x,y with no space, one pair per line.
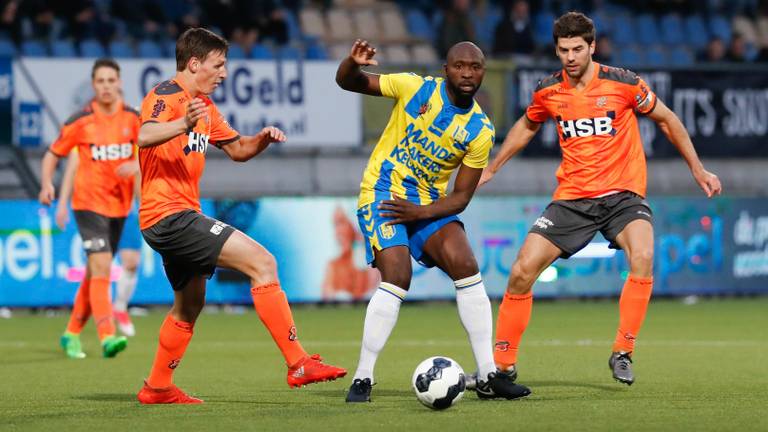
438,382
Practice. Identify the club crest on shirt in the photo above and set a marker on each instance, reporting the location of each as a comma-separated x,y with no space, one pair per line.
601,102
460,134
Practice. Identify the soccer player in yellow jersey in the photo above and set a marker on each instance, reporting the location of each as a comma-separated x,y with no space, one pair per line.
435,128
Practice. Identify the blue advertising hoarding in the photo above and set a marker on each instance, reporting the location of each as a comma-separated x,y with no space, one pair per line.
702,246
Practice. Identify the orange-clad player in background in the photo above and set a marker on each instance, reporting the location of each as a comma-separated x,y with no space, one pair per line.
105,134
602,182
179,122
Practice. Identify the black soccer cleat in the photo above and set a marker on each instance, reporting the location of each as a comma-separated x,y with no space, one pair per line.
501,385
360,390
620,364
471,379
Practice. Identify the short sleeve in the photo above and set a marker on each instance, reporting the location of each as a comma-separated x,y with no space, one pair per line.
397,85
643,99
221,131
67,140
156,108
537,111
480,149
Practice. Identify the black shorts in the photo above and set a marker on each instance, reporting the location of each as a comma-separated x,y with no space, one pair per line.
99,233
190,244
571,224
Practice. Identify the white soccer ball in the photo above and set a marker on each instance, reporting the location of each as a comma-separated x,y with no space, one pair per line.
438,382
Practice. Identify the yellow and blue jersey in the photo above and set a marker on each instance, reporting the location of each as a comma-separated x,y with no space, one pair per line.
425,140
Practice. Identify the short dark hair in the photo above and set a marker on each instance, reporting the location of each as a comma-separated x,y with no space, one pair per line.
574,24
198,42
104,62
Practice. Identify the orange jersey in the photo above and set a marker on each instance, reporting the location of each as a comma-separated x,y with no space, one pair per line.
597,127
171,171
103,142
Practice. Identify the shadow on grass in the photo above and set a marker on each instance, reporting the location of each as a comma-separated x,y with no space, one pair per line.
37,355
604,387
108,397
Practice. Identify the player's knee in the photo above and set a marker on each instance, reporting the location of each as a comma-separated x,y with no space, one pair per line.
642,258
262,264
521,278
462,267
400,278
99,264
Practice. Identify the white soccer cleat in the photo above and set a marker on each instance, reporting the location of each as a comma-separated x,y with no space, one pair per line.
124,323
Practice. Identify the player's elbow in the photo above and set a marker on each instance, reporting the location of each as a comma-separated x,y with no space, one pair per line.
143,140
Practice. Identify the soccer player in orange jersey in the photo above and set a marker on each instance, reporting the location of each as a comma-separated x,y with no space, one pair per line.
601,184
179,122
105,134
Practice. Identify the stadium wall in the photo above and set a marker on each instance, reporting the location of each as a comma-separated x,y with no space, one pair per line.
703,247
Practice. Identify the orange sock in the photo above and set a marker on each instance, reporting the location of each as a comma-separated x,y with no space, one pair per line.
514,315
174,338
81,309
632,306
273,309
101,305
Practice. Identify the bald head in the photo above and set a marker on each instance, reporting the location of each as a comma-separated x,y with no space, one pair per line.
465,51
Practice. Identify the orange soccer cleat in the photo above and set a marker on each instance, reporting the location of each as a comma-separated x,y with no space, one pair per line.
167,395
312,370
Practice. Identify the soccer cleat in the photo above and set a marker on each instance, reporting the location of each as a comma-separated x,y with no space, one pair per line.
112,345
501,385
471,379
621,365
167,395
312,370
360,390
124,323
71,344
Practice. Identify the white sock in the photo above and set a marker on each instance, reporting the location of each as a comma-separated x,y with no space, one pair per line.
380,319
475,313
126,284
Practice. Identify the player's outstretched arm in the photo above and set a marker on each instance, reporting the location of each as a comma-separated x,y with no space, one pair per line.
521,133
675,131
245,148
47,191
350,75
154,133
67,184
403,211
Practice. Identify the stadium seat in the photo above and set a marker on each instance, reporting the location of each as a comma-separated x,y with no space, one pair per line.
720,27
312,22
7,48
33,49
261,52
696,32
289,53
628,57
485,25
340,24
762,31
149,49
745,27
340,51
424,54
294,30
63,48
236,52
624,31
397,53
681,57
671,29
603,23
647,29
393,25
418,25
169,48
316,52
542,28
91,48
121,49
655,56
366,24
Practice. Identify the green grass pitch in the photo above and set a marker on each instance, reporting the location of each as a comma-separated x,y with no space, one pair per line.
698,367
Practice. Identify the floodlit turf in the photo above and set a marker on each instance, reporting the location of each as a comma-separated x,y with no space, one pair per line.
698,367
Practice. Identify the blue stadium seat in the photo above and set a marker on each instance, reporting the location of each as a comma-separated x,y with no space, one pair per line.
628,57
316,52
169,48
696,32
647,29
624,32
542,28
656,56
236,52
149,49
294,29
7,49
63,48
603,23
91,48
33,49
289,53
681,56
261,52
121,49
720,27
418,25
485,26
672,29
